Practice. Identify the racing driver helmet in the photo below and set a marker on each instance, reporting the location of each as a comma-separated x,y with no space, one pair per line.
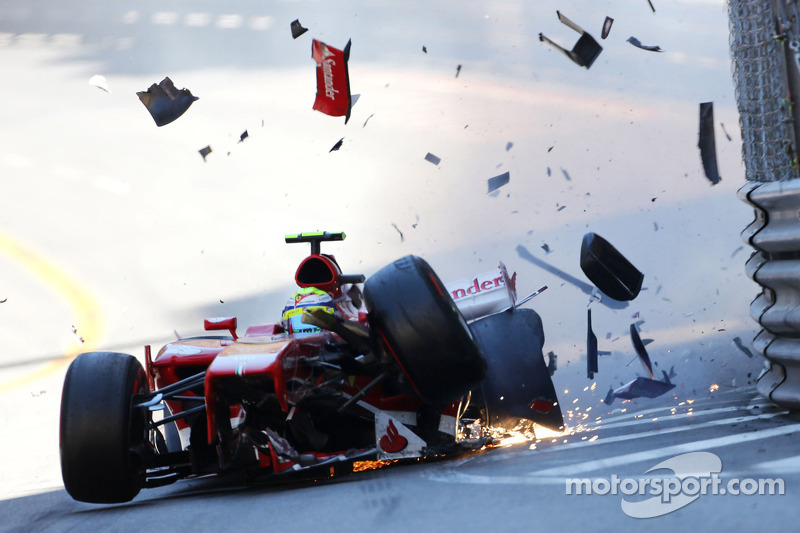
307,298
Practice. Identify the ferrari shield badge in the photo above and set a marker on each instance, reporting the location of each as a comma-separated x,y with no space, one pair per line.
333,80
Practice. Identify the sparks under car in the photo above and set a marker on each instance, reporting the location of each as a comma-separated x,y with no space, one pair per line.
406,376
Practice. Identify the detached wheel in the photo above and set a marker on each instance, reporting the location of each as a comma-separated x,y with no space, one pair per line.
413,316
100,435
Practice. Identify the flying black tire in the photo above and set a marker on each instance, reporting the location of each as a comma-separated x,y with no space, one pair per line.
413,316
99,431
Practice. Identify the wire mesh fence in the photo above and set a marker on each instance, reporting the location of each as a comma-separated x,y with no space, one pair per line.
758,53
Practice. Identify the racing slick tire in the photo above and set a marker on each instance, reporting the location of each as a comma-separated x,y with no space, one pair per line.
99,430
412,315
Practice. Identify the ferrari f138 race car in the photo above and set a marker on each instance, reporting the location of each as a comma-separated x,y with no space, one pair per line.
395,372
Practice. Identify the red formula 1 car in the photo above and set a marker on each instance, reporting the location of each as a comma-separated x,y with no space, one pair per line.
407,377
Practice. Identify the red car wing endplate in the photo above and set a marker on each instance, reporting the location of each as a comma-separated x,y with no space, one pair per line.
333,79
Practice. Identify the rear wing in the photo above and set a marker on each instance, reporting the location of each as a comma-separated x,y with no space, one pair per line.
486,294
315,238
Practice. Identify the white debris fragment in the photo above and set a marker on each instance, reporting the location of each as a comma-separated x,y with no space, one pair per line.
100,82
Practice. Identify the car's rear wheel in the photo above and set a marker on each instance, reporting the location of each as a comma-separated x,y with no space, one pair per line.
101,435
413,317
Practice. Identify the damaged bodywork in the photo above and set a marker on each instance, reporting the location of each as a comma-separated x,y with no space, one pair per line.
395,372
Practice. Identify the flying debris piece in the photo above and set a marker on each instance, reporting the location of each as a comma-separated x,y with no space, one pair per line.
402,239
433,159
549,172
585,50
498,181
591,348
297,29
738,342
243,136
651,6
638,44
608,269
509,145
552,363
166,103
607,27
205,151
641,351
609,397
424,49
725,132
529,297
586,288
365,122
458,70
100,82
643,387
546,248
566,175
4,300
337,145
707,143
671,374
78,338
333,80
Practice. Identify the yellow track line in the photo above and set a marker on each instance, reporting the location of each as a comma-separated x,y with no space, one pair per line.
85,309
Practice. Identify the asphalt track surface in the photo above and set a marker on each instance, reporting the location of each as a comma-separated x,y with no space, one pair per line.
515,488
115,234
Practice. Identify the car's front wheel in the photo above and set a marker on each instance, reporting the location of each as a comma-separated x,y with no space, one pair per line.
101,435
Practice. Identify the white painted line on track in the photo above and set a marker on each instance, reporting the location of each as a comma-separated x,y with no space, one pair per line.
663,431
164,18
478,479
130,17
229,22
788,465
558,475
757,400
197,20
666,418
621,438
666,451
260,23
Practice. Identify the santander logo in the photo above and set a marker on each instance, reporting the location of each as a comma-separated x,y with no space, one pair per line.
327,71
477,285
392,441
